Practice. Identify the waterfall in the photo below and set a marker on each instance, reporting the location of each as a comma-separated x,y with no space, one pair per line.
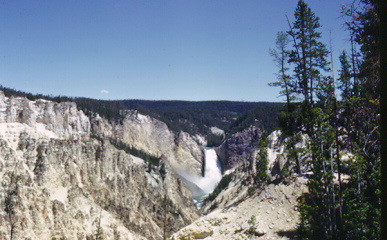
212,171
212,175
203,186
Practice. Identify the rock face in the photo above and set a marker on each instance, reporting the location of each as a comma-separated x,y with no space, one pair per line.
238,148
245,210
57,120
268,214
278,158
153,136
58,182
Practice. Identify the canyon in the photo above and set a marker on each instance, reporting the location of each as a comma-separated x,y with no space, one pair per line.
68,175
62,178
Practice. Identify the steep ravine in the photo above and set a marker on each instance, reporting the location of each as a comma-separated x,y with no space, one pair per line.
244,209
62,177
58,182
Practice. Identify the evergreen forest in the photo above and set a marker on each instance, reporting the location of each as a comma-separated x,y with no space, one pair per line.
338,114
194,117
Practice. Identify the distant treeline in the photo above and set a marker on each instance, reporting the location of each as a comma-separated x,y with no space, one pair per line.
265,117
188,116
198,117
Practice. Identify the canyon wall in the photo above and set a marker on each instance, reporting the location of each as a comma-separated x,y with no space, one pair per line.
59,181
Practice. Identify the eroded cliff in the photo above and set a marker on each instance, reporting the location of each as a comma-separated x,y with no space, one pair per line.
58,182
237,149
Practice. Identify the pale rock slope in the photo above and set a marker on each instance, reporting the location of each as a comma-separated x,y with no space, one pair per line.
49,119
274,210
243,210
59,183
153,136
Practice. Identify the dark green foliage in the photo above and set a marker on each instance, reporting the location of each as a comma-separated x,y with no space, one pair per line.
150,159
319,219
214,206
309,54
224,182
293,153
281,57
96,136
264,117
8,92
361,194
261,176
284,172
198,117
252,225
337,209
110,110
214,140
107,109
10,203
168,205
361,118
99,230
188,116
345,83
163,171
366,27
252,230
9,208
250,191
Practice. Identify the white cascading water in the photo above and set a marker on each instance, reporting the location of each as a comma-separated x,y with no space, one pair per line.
212,175
202,186
212,171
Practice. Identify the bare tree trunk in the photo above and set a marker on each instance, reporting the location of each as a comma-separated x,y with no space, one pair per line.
337,155
326,190
333,201
12,223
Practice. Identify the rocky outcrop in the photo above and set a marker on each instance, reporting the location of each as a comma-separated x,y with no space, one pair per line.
279,163
58,182
270,213
153,136
247,210
238,148
58,120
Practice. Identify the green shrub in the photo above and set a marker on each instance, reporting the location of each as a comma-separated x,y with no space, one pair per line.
148,158
224,182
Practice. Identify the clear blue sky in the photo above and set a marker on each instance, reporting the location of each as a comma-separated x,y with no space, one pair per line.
157,50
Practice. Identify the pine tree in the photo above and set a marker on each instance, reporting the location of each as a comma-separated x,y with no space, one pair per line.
345,83
330,209
309,56
318,207
368,35
348,12
280,57
287,118
361,118
261,176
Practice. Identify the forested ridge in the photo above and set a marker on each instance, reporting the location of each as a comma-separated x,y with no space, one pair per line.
194,117
334,208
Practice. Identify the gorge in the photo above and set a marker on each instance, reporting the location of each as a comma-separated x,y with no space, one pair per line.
69,175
